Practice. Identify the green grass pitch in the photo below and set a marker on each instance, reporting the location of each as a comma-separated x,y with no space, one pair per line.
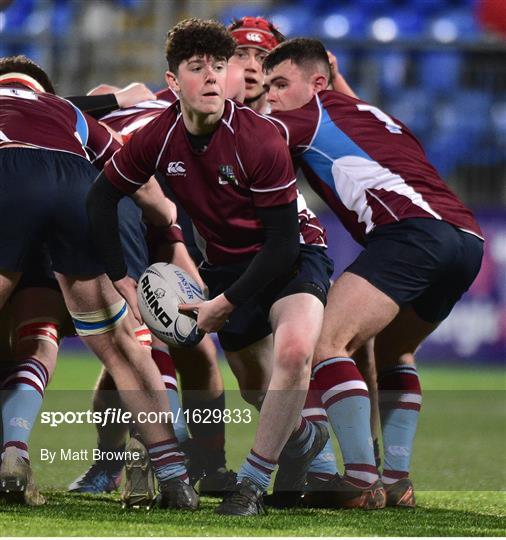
459,471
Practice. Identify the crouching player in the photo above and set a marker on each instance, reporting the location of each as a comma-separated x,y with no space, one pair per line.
54,203
423,249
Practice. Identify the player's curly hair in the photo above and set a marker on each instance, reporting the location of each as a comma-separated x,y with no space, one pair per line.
197,36
304,52
22,64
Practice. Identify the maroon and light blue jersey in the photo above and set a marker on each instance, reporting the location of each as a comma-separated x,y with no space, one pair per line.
367,166
246,165
49,122
127,121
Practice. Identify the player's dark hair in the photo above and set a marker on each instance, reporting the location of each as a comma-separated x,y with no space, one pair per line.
303,52
197,37
237,23
22,64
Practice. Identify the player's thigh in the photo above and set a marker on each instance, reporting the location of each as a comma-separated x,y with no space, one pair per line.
26,194
398,342
252,367
297,322
356,311
297,313
87,293
198,366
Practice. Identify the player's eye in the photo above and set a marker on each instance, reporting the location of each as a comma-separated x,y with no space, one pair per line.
261,57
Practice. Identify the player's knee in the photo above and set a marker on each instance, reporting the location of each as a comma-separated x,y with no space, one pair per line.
295,354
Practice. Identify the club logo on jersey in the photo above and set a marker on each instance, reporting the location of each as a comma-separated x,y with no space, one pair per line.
176,168
253,36
226,175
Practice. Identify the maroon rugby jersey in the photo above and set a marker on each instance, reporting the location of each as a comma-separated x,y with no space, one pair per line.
367,166
49,122
127,121
246,165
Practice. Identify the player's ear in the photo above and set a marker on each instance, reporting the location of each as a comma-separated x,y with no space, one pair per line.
171,80
319,82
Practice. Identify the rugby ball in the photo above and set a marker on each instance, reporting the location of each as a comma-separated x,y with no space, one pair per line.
159,291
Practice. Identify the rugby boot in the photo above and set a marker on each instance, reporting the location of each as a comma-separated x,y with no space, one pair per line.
341,493
291,476
217,483
101,477
178,494
245,500
401,494
139,490
16,480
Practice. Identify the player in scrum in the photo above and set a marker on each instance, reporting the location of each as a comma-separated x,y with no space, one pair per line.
99,314
255,37
422,250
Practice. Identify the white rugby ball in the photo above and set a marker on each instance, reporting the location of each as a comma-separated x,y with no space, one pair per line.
161,288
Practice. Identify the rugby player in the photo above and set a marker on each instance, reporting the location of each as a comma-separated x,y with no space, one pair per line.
60,137
243,206
201,381
423,249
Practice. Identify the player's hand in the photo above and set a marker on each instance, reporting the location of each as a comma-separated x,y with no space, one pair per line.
103,89
127,287
210,315
133,94
334,69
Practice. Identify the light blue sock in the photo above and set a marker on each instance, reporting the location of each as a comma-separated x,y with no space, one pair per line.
346,400
179,425
257,469
301,441
22,396
400,400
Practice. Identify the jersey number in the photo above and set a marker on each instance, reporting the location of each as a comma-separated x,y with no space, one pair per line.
382,117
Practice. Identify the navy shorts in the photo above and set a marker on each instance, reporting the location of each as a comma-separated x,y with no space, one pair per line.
42,201
43,213
425,263
250,322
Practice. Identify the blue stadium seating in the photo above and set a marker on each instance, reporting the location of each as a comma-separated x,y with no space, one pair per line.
345,22
292,20
392,66
412,107
447,66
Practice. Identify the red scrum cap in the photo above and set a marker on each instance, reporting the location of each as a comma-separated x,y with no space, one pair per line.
255,32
